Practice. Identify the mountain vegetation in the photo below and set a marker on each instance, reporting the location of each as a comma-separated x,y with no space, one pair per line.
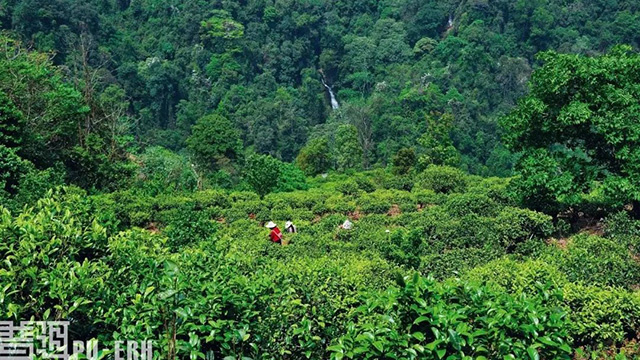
485,151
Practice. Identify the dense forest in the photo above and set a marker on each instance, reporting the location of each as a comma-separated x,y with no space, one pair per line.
395,66
485,154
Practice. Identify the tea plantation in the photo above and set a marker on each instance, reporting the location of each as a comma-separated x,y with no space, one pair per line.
442,265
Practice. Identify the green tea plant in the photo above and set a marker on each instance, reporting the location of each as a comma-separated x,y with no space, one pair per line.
454,320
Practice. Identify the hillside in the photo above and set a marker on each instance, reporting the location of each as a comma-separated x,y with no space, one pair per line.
464,177
205,279
262,65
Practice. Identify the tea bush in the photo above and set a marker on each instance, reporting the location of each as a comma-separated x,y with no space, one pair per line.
606,315
454,320
374,203
601,315
442,179
196,272
465,204
599,261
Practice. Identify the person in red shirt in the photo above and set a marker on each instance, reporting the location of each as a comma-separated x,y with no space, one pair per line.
276,234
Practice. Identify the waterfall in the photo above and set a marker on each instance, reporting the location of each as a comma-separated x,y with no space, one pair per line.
334,102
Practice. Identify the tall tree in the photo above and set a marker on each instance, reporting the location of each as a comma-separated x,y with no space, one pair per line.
578,132
437,143
348,152
214,142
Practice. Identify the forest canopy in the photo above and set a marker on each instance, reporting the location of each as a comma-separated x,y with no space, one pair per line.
264,66
323,179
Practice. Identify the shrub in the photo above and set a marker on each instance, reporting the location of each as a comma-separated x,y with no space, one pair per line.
621,224
464,204
515,226
262,172
403,161
291,178
601,315
339,204
404,183
315,157
374,203
132,209
349,188
162,170
595,315
442,179
239,196
424,319
187,226
48,270
496,188
365,184
210,198
402,249
517,277
453,263
597,260
429,197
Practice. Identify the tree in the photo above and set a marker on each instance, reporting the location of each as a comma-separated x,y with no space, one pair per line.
220,30
214,142
348,152
360,115
49,123
578,132
262,172
11,123
12,168
437,143
291,178
314,158
403,161
163,170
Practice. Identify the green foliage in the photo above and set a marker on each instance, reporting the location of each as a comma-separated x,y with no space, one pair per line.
348,150
314,158
48,122
266,174
464,204
11,123
620,224
424,319
49,273
403,161
91,168
259,63
598,261
221,26
595,314
601,315
291,178
349,187
516,226
186,226
12,169
439,149
517,277
164,171
457,261
204,279
214,142
194,270
575,131
424,45
442,179
375,203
